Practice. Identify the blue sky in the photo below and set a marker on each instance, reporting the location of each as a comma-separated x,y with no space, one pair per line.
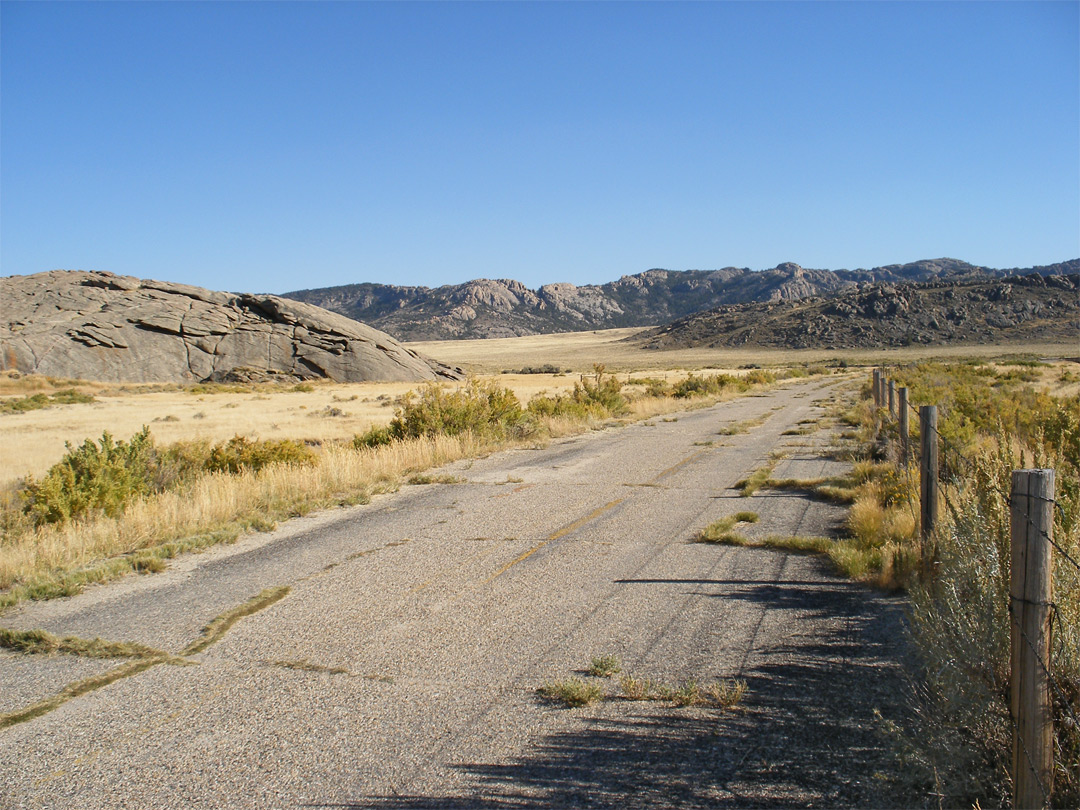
278,146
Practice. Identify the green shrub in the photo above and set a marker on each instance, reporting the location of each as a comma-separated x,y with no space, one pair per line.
69,396
759,377
376,436
241,453
481,408
107,475
606,393
180,462
694,386
599,398
559,405
94,476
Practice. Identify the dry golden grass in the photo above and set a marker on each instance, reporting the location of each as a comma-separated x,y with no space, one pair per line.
579,350
33,441
55,554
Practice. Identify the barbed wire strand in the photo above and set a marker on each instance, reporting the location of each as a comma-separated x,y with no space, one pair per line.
1008,497
1049,675
1027,755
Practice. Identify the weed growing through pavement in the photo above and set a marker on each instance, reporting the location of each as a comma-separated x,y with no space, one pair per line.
572,692
721,694
74,690
424,478
744,426
720,531
307,666
604,666
220,625
755,481
42,642
787,542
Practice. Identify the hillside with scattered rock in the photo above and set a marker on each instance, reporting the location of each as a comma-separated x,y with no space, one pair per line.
100,326
1011,309
486,308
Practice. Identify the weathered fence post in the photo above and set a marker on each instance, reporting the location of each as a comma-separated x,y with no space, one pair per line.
1031,592
905,437
928,478
876,385
892,398
881,387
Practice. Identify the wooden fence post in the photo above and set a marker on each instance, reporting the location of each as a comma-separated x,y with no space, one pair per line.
905,437
928,479
876,385
892,398
1031,592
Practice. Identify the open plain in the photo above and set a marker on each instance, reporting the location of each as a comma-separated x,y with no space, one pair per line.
400,647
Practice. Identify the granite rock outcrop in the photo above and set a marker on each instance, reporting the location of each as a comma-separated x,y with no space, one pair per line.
101,326
1015,309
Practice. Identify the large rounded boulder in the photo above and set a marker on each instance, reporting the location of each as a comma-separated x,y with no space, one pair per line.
100,326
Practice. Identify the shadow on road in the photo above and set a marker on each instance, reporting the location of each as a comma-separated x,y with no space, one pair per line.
806,736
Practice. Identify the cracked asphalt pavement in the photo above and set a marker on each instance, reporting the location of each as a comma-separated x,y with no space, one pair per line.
401,669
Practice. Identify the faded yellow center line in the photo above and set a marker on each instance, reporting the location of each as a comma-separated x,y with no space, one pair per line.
442,574
565,530
674,467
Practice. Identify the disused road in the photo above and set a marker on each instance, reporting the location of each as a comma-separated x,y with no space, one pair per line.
401,668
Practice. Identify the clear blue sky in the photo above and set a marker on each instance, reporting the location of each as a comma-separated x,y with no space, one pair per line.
277,146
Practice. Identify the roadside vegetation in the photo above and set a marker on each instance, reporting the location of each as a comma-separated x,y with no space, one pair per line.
113,506
992,420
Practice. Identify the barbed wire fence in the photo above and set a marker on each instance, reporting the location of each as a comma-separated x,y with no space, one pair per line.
1030,607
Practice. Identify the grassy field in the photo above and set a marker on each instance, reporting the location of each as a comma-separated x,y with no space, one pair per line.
579,350
31,441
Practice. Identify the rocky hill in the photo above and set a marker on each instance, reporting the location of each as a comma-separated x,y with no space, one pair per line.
505,308
974,310
100,326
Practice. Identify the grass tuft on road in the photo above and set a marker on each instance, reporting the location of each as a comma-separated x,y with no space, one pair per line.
220,625
76,689
720,531
721,694
756,480
572,692
42,642
604,666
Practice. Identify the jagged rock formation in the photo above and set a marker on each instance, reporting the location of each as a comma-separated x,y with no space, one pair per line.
99,326
1011,309
505,308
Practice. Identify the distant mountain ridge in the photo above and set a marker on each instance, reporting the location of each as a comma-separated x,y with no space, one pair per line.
971,310
487,308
